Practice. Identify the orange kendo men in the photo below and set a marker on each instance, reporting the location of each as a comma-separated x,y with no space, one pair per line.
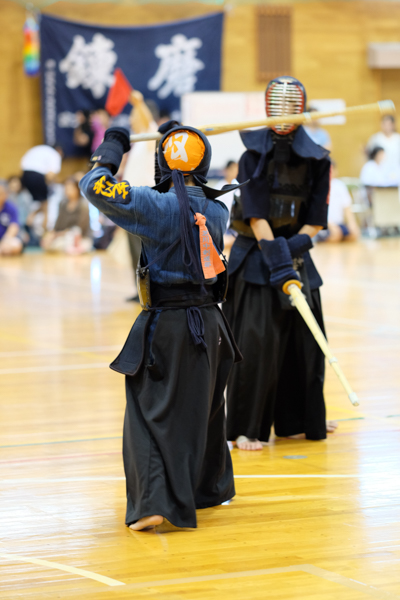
180,350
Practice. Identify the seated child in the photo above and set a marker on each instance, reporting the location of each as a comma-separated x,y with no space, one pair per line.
71,233
342,224
10,243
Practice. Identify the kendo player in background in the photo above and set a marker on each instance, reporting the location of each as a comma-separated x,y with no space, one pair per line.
180,350
280,380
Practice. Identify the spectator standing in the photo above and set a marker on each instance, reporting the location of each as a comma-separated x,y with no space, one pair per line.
138,169
388,139
230,173
318,135
99,121
10,243
40,165
83,133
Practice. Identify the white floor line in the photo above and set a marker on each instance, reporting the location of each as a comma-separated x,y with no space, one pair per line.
375,349
101,349
113,478
54,368
368,590
71,282
53,351
368,325
317,476
331,576
60,567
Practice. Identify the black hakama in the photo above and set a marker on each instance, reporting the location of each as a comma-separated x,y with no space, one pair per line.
176,456
280,380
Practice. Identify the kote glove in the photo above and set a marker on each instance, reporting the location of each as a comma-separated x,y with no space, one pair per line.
299,243
277,255
112,148
164,127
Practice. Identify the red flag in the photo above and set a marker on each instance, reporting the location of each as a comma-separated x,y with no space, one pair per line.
119,93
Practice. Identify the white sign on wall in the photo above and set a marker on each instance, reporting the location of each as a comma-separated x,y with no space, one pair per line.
215,108
329,106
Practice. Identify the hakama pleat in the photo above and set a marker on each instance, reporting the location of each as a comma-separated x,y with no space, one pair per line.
280,380
176,457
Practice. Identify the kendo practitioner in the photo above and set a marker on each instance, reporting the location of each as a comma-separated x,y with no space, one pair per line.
180,350
280,380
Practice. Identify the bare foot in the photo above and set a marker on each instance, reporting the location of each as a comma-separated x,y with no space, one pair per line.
147,523
244,443
331,426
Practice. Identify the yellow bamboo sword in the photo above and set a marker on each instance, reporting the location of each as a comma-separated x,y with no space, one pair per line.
293,289
384,107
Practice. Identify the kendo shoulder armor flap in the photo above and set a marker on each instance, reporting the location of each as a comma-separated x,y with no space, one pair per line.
260,141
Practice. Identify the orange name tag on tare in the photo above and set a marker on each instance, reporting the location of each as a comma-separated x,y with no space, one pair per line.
210,261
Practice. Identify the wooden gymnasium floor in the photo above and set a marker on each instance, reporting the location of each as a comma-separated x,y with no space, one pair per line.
310,520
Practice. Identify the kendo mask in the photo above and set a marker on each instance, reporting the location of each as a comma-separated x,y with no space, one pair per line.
284,96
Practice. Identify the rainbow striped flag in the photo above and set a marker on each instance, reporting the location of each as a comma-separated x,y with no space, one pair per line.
31,47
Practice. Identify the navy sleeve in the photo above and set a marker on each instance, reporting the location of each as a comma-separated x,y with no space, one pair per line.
134,209
317,213
254,194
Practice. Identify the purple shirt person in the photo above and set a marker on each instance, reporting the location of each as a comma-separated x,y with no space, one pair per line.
10,244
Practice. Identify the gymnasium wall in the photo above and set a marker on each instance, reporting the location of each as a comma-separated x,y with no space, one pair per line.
329,56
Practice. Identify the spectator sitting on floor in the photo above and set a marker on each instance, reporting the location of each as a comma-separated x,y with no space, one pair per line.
23,200
72,233
342,224
377,172
10,243
388,139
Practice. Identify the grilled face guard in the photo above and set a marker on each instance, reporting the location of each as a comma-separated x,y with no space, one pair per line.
284,96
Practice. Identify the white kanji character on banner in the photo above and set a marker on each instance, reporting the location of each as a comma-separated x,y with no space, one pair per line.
178,67
90,65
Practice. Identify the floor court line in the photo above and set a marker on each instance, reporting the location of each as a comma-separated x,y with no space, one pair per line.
28,277
52,351
363,415
360,323
48,369
331,576
61,567
57,457
116,478
305,568
115,437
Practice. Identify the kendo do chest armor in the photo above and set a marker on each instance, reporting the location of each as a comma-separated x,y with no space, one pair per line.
287,198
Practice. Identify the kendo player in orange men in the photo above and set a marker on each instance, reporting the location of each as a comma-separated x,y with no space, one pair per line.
180,349
280,380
